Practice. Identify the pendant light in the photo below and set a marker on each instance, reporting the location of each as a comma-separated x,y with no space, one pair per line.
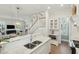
17,17
17,12
74,9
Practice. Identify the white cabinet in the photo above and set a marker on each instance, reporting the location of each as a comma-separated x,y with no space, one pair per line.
54,24
43,49
54,27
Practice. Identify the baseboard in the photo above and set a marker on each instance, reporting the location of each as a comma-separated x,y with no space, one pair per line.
65,40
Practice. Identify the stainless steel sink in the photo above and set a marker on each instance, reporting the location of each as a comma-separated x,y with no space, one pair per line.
37,42
76,43
33,44
29,45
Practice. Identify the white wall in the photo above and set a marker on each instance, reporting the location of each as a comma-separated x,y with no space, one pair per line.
74,31
12,21
61,13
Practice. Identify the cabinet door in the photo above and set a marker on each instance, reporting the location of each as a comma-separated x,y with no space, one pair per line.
43,49
55,23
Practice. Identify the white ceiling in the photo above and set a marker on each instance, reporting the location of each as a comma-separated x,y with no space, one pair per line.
28,9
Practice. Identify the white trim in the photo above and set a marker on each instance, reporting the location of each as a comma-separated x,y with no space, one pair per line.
65,40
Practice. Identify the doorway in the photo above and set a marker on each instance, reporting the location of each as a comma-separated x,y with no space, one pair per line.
64,29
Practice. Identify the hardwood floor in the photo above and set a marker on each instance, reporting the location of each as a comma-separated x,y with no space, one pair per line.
63,48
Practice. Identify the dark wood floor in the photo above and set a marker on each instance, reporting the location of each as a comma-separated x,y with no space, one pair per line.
63,48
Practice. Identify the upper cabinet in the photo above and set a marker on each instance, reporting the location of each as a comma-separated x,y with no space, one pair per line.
54,23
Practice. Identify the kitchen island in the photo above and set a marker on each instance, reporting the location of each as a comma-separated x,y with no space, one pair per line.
16,45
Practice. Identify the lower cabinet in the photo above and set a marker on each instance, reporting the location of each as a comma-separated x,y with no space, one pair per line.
44,49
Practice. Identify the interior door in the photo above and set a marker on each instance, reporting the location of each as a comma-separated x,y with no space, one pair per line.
64,29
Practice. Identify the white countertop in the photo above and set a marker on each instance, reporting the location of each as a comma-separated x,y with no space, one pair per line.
14,39
43,39
18,45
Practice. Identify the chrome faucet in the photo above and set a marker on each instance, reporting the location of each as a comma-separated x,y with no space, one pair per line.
30,38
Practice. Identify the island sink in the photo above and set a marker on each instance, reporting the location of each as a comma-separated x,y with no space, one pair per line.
76,43
37,42
33,44
29,45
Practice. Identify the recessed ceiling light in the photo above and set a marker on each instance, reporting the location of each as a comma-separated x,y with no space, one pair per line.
49,7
